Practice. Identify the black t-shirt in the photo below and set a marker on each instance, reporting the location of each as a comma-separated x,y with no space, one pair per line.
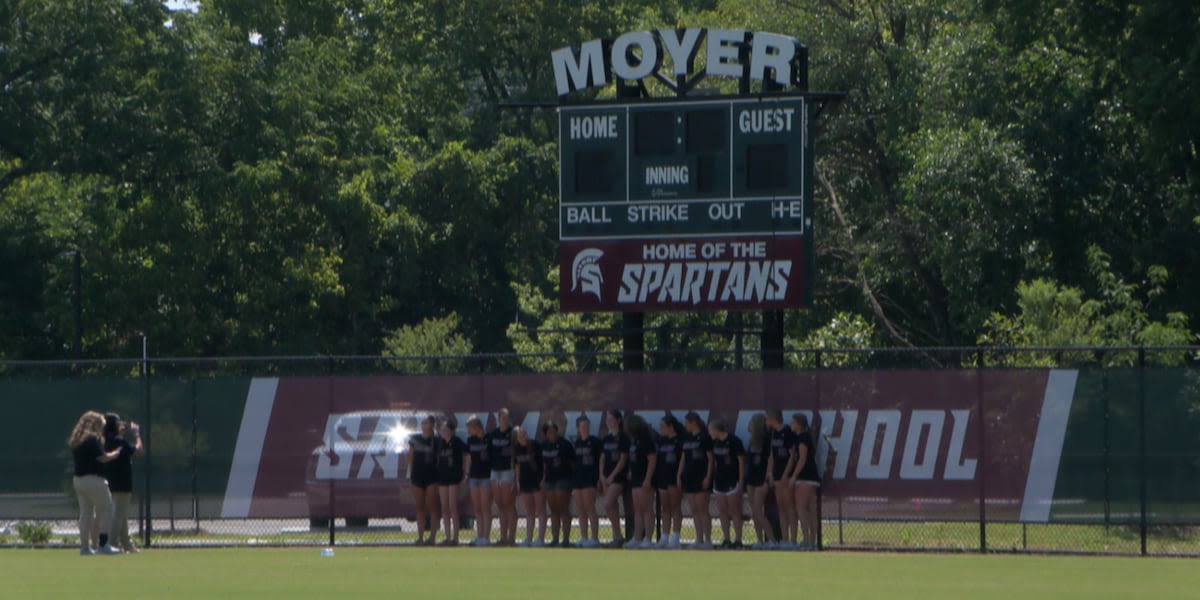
725,455
614,447
756,460
808,471
639,458
480,464
423,454
501,449
695,455
557,458
666,470
119,471
587,459
783,442
450,458
87,457
530,459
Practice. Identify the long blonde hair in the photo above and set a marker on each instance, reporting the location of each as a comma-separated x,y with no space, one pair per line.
91,423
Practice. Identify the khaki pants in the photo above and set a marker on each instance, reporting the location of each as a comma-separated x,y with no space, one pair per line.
95,505
120,526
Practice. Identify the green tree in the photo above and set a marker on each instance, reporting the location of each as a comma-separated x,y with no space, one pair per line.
1052,315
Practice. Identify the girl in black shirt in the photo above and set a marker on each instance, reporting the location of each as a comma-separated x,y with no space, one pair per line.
613,474
527,456
779,475
120,476
95,499
643,459
557,455
758,453
806,481
695,477
588,452
451,453
729,458
666,479
422,474
500,442
479,473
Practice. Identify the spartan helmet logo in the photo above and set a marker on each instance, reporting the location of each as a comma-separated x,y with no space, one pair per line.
585,272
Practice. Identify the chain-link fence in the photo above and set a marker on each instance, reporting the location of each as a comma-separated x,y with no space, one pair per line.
971,449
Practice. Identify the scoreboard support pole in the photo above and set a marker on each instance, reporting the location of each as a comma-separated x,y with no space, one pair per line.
772,339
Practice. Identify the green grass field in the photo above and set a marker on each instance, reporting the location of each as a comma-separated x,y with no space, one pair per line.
297,574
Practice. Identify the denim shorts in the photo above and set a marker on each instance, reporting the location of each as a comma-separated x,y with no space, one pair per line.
477,483
502,477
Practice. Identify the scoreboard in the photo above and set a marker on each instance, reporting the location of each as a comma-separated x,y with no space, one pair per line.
652,194
683,169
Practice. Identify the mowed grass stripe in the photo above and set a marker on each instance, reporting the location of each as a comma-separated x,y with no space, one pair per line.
617,574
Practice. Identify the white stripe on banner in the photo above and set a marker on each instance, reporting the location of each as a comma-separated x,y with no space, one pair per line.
1048,446
246,454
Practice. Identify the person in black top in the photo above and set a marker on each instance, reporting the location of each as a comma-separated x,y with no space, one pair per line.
729,458
614,464
451,457
588,450
422,474
779,473
806,481
527,455
120,476
95,499
479,473
557,456
500,448
666,480
643,462
758,453
695,477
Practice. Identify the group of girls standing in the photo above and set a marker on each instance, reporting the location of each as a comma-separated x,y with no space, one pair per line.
683,460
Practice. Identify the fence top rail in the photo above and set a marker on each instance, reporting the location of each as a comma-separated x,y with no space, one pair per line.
497,356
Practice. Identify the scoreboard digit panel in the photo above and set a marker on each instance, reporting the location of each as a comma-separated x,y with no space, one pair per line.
679,153
592,155
688,169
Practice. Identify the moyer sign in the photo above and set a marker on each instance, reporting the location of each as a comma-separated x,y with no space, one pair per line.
757,55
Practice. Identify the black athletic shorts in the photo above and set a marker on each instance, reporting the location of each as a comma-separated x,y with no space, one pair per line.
423,480
691,483
450,478
530,487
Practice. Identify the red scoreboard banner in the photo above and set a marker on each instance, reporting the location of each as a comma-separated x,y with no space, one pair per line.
716,273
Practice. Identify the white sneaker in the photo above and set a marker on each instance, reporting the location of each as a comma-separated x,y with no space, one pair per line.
109,550
86,552
539,544
646,544
674,541
484,542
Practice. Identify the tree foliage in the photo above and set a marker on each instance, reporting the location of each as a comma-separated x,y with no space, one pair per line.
262,177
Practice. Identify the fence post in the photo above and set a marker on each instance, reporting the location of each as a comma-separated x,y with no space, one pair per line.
1142,442
330,367
1107,448
147,530
195,462
816,425
980,362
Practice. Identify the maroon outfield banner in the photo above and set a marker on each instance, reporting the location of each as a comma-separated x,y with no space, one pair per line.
893,444
718,273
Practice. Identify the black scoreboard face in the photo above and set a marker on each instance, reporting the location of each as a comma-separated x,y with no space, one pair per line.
683,169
